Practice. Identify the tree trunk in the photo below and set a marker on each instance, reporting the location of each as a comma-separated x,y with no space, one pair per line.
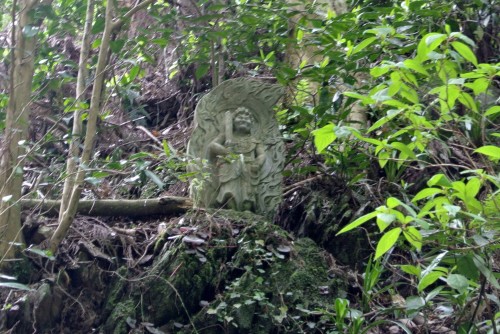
70,208
16,129
77,132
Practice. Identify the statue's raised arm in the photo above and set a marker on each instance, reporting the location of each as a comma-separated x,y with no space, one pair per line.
236,148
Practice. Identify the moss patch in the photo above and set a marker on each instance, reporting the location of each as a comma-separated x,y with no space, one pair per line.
233,272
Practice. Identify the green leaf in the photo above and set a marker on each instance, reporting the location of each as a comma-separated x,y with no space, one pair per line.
323,137
393,202
154,178
117,45
410,269
360,221
414,303
492,111
466,267
379,71
467,100
384,120
465,52
362,98
483,268
384,220
11,285
415,65
404,149
98,26
363,45
425,193
201,70
414,237
458,282
493,152
439,180
387,241
428,279
472,187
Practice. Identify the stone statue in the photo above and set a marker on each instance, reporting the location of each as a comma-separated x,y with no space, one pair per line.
236,149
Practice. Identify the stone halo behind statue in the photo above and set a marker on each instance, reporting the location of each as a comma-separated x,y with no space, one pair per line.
236,151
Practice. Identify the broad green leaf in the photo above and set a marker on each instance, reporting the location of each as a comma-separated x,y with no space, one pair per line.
463,38
466,267
12,285
493,152
414,237
384,220
465,52
414,303
387,241
393,202
323,137
425,193
479,86
472,188
428,279
467,100
433,40
379,71
439,180
360,221
416,66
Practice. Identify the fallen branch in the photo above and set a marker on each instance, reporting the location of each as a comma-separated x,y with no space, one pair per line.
116,207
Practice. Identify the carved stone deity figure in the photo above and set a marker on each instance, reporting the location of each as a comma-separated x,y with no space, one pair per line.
236,149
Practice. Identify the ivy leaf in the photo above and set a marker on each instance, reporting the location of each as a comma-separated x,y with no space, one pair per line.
387,241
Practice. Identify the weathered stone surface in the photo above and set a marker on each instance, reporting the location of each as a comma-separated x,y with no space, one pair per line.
236,148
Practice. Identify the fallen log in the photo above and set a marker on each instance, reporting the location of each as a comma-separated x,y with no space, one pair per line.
115,207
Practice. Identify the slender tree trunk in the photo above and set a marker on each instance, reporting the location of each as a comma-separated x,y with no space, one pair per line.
69,211
16,129
77,132
66,217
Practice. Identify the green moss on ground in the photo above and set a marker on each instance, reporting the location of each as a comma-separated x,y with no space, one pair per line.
233,272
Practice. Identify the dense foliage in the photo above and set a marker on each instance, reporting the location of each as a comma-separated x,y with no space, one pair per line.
425,74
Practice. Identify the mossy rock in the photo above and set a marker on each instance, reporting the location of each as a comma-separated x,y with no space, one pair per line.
234,271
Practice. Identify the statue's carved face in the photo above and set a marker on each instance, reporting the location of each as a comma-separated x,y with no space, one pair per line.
243,121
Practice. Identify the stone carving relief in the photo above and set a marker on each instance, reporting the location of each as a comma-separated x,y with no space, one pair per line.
236,149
